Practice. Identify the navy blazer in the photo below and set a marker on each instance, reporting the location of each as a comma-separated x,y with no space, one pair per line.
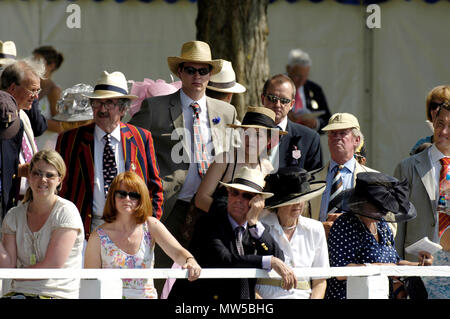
313,91
10,150
213,245
303,139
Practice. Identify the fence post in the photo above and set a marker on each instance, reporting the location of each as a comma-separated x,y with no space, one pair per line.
368,287
101,289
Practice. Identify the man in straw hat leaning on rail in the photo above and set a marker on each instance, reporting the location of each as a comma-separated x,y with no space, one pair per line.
188,128
234,238
97,152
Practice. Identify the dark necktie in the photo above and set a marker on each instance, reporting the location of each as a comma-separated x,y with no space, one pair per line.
239,231
109,164
336,188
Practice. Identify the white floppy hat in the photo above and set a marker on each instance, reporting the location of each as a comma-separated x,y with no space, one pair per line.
111,86
249,180
196,52
225,80
8,52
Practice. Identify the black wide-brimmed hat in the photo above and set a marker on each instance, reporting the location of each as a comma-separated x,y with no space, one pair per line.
387,193
292,185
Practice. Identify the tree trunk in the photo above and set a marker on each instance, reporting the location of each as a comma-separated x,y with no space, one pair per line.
237,31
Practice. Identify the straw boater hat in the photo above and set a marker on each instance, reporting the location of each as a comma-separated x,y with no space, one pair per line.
9,116
111,86
292,185
196,52
259,117
341,121
249,180
225,80
8,52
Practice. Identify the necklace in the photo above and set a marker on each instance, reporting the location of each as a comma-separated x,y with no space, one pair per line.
288,227
367,230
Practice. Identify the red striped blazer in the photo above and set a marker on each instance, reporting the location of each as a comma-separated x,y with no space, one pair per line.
77,149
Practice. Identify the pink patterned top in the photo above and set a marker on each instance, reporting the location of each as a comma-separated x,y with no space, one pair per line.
114,257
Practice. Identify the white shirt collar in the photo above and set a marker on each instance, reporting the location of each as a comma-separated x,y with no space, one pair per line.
350,164
186,101
283,123
99,133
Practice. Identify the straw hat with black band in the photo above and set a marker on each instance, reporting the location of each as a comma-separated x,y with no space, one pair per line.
249,180
8,52
195,52
259,117
111,86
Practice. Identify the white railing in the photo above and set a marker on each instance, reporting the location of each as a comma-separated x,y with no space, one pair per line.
369,282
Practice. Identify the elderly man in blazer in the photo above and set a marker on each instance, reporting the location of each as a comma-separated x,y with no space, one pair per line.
301,146
94,154
234,238
173,120
423,172
344,136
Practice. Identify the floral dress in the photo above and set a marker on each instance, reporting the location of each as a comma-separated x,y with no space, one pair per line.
114,257
350,242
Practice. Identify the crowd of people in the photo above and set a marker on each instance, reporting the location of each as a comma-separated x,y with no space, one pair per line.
181,171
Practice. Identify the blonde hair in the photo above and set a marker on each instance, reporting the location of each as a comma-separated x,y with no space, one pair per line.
441,92
50,157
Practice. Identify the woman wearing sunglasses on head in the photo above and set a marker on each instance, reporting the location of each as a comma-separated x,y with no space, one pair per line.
43,231
128,236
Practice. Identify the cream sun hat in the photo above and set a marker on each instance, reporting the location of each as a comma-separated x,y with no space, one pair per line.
249,180
111,86
196,52
8,52
225,80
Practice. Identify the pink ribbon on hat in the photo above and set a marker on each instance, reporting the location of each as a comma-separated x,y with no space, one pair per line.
149,88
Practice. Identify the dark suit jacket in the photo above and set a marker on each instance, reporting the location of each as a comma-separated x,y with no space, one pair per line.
301,138
10,150
213,246
77,149
313,92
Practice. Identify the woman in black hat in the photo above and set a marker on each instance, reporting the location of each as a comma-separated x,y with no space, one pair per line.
258,126
302,239
362,236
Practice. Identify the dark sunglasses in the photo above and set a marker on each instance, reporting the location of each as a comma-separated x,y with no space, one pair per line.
123,194
41,174
244,195
274,99
434,105
191,70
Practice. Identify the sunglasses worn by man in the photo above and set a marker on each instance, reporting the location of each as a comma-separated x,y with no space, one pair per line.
274,99
201,71
244,195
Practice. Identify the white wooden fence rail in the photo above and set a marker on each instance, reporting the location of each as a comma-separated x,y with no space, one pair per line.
369,282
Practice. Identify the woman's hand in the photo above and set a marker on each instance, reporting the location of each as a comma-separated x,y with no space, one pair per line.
193,267
425,258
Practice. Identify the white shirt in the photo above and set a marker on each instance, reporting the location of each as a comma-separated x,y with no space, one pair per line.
99,199
193,180
307,248
275,152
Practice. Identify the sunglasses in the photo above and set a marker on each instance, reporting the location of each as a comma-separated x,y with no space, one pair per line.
41,174
191,70
274,99
244,195
123,194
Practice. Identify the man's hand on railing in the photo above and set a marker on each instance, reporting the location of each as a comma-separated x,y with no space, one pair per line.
288,278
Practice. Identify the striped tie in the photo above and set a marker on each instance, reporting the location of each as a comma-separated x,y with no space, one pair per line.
336,188
239,231
201,155
444,218
109,164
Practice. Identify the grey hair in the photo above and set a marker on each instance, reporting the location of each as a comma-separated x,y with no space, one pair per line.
15,72
299,57
358,133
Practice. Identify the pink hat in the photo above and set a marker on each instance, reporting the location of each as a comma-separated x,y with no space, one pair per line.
150,88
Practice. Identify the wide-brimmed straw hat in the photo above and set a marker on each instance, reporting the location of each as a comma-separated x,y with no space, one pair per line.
259,117
111,86
249,180
292,185
8,52
9,116
388,194
195,52
225,80
341,121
